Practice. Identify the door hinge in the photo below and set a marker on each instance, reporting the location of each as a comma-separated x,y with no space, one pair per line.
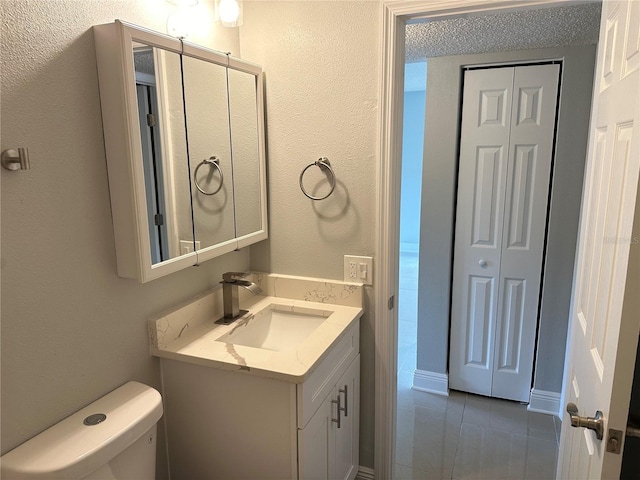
391,302
151,120
158,219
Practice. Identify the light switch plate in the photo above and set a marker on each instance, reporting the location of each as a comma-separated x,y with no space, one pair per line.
358,269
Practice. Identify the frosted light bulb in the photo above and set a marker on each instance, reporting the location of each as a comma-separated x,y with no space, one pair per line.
228,11
179,25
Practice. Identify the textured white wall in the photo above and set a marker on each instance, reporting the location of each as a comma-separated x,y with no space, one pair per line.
71,329
321,64
320,60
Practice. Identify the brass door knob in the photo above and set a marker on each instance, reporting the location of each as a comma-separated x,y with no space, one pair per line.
592,423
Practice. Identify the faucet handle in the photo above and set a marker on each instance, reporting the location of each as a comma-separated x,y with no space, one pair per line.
233,276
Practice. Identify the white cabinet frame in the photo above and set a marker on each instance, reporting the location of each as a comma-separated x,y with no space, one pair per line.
124,151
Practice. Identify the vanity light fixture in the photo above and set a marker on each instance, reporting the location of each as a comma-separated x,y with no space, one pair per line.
180,22
229,12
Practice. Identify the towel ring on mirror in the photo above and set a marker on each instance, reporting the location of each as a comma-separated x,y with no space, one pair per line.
209,161
321,163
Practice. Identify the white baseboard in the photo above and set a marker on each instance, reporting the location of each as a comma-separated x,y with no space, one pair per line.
544,402
365,473
432,382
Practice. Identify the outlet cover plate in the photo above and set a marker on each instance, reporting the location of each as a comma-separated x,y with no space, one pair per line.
358,269
186,246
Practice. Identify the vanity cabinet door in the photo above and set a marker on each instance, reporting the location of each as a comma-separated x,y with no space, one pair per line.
347,442
328,449
316,444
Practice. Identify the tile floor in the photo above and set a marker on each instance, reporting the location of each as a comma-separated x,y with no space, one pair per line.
463,436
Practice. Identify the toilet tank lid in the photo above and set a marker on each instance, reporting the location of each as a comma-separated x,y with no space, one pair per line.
71,449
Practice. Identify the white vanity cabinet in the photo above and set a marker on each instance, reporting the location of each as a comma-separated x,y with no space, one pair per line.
238,423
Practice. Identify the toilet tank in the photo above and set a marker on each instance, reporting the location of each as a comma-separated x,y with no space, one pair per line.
112,438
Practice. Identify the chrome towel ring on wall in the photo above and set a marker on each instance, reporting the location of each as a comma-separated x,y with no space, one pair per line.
324,164
216,164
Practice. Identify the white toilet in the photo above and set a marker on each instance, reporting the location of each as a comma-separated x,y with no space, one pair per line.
114,438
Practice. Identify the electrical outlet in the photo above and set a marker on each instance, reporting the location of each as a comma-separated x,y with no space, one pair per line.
186,246
353,271
358,269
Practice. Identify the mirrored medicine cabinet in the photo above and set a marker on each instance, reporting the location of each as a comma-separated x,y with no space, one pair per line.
184,137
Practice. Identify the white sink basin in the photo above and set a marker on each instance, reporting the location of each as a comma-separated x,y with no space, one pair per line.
277,328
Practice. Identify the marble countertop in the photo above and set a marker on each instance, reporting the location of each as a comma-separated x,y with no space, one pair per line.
197,343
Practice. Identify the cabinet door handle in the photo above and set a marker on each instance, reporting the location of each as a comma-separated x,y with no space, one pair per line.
346,401
337,402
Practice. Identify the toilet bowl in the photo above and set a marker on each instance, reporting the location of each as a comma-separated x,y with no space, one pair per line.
114,438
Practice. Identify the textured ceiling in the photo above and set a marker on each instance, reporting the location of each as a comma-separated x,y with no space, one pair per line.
548,27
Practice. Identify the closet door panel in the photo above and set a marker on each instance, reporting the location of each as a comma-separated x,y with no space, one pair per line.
509,343
535,94
484,147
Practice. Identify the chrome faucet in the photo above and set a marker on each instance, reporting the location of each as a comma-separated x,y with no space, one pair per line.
230,283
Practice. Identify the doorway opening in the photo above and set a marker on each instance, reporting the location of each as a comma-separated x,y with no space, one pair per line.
412,154
436,219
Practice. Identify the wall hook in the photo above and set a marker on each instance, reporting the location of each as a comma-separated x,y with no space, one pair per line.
16,159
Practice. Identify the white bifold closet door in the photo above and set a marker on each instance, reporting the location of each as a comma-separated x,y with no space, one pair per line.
506,148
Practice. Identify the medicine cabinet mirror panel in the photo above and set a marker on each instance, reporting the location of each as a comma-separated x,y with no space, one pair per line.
207,113
246,153
169,122
164,152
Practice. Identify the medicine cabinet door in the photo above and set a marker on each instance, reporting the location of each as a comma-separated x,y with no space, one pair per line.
164,152
248,155
208,135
